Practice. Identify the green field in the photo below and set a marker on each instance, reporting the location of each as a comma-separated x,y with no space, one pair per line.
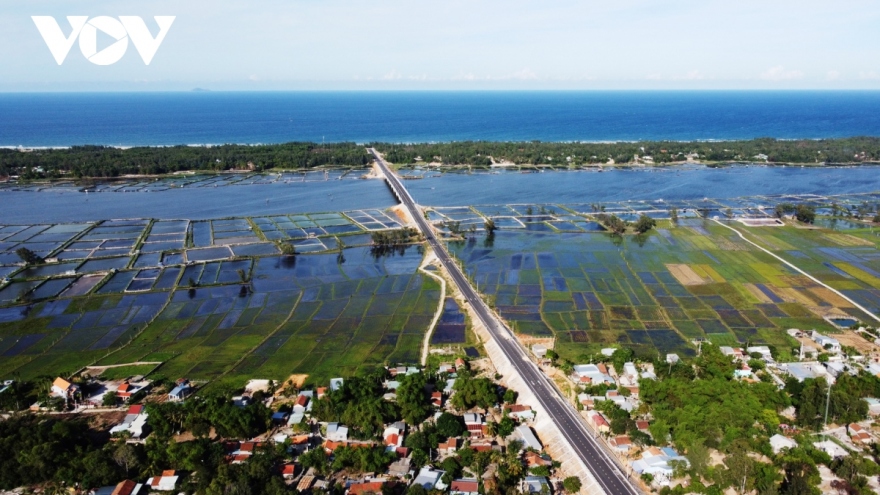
658,292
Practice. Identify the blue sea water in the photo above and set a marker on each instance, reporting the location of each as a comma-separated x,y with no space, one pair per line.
126,119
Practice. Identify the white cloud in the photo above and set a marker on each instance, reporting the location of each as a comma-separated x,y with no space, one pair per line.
779,73
832,75
871,76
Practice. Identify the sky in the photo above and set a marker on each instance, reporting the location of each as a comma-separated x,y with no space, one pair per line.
458,45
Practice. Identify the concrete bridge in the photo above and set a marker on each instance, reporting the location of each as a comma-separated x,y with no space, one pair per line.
568,438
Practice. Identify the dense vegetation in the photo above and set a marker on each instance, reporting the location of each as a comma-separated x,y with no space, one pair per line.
699,406
100,161
477,153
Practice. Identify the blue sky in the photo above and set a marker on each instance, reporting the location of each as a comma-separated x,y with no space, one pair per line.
457,44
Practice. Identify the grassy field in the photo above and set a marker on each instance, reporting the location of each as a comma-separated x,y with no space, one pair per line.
656,293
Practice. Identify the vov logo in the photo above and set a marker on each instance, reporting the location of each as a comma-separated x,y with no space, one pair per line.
121,30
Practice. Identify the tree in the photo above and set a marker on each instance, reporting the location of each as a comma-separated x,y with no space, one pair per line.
413,399
805,213
109,399
449,425
416,489
126,456
673,215
572,484
505,427
876,218
287,248
490,227
644,224
28,256
509,396
613,223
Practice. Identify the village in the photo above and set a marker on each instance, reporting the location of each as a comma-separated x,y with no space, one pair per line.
455,428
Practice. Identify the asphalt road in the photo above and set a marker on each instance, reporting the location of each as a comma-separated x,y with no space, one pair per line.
572,426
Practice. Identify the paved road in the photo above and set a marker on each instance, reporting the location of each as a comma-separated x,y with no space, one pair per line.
606,472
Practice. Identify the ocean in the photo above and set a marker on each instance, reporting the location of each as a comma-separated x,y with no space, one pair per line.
131,119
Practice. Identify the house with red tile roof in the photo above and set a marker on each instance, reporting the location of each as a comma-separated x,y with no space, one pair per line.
450,446
128,487
374,487
166,482
464,487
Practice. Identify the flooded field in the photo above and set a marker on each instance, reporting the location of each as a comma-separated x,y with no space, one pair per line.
213,299
659,292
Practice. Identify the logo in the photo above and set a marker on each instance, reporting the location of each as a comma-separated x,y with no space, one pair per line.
86,30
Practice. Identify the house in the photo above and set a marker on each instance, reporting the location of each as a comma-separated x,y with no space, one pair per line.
598,422
128,487
337,433
322,391
401,468
393,434
858,434
302,401
825,342
181,391
658,463
474,424
520,411
779,443
437,399
642,426
832,449
134,422
530,441
246,449
807,369
592,373
536,484
763,350
534,459
629,369
128,389
164,483
835,368
446,368
288,471
466,486
374,487
336,384
430,479
64,389
450,446
731,352
539,350
475,419
296,418
279,418
621,443
305,482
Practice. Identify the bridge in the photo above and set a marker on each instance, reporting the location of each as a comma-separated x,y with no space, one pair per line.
605,475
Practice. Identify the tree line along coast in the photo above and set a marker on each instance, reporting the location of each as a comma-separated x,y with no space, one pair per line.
108,162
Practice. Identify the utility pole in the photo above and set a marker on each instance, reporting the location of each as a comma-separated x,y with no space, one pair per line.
827,403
